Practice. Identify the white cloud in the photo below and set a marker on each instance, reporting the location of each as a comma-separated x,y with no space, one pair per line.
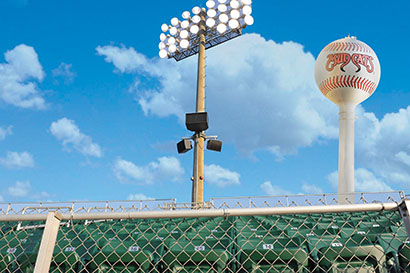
332,178
383,145
311,189
68,132
18,78
270,189
17,160
4,132
25,190
220,177
165,169
267,89
403,157
64,71
253,84
1,199
139,196
20,189
44,196
124,59
365,181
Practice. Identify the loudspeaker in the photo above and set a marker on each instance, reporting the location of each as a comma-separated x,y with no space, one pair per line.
184,146
214,145
196,122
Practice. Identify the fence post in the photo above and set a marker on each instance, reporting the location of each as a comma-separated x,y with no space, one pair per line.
405,214
48,242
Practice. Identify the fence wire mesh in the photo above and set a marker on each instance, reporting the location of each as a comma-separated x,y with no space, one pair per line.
19,247
326,242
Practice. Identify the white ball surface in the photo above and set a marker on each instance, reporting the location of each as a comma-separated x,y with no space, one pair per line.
347,71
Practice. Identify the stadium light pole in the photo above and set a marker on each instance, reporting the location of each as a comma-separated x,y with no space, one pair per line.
223,20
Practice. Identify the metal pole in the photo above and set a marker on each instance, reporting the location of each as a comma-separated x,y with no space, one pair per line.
208,213
198,183
48,241
405,214
346,154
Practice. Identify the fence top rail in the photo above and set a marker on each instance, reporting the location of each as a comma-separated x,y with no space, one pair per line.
198,213
96,207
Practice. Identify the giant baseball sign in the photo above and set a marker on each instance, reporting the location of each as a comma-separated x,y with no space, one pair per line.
347,71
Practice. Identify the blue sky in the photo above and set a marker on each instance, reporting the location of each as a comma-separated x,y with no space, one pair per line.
88,111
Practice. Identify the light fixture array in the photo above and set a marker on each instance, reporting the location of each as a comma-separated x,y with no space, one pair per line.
223,19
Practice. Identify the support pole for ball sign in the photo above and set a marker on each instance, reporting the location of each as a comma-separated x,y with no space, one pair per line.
347,72
346,152
222,21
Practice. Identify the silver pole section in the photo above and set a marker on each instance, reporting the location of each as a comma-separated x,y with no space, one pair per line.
346,154
208,213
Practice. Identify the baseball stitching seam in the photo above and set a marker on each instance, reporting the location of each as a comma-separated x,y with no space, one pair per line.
341,46
347,81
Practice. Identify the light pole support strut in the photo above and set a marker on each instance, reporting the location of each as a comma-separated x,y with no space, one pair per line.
198,183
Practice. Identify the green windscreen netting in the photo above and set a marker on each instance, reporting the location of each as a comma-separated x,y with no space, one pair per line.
337,242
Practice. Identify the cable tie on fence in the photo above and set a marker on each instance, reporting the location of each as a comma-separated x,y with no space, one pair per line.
226,213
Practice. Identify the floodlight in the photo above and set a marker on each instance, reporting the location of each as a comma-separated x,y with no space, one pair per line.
196,122
172,48
247,10
223,21
221,28
184,34
162,37
210,4
161,45
249,20
235,4
210,22
184,146
184,43
211,13
185,24
196,19
214,145
163,53
186,14
174,21
171,40
222,8
164,27
194,29
173,31
223,18
233,23
196,10
235,14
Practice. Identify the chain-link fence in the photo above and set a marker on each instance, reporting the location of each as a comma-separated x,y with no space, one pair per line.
19,247
366,241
